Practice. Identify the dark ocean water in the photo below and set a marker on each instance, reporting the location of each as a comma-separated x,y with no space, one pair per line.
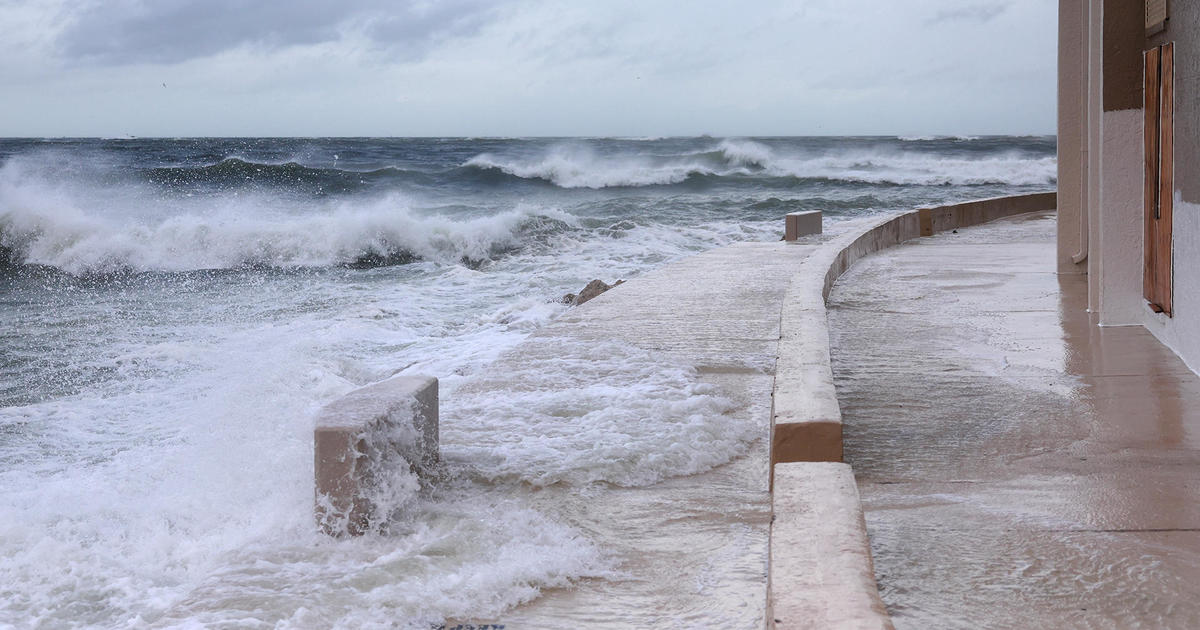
173,311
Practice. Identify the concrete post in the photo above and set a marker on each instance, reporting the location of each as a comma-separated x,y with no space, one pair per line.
362,439
797,224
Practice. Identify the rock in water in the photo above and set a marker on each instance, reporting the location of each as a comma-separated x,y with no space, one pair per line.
593,288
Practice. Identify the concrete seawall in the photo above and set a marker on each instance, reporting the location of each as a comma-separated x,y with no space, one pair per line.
807,430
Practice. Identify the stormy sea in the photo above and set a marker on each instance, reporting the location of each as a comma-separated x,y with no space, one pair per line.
173,312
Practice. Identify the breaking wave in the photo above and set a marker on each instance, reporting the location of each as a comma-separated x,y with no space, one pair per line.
42,225
576,166
384,235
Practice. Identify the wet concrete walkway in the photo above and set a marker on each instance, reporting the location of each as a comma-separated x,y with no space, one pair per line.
680,362
1019,468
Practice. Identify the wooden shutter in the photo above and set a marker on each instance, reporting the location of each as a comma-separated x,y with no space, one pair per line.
1159,186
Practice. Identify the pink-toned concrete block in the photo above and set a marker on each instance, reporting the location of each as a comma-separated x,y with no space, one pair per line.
799,224
821,574
362,440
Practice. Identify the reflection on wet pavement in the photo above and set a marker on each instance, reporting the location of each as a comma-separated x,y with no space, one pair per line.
1019,467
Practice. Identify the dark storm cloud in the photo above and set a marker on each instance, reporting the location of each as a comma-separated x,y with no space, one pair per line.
976,13
171,31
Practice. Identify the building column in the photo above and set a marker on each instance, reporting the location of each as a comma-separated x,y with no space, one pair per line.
1073,62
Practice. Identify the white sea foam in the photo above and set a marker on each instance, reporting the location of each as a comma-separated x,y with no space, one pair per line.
611,413
188,500
910,168
745,153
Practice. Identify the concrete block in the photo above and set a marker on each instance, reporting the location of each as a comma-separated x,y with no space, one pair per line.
926,217
808,440
361,439
821,575
807,421
797,224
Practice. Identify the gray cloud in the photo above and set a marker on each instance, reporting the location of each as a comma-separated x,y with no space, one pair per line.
977,13
172,31
525,67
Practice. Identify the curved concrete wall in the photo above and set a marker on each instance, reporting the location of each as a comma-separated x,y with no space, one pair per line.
820,573
807,424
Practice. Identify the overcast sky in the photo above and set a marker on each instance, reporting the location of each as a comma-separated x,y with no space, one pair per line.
525,67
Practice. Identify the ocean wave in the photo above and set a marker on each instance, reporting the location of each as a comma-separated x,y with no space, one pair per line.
745,153
930,138
921,169
580,167
45,227
235,172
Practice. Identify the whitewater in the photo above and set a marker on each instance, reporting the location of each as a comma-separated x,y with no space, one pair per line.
174,311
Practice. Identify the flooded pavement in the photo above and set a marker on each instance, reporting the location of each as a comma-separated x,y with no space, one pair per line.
654,399
1019,468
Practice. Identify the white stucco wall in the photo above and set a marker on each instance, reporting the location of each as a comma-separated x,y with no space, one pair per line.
1121,215
1181,333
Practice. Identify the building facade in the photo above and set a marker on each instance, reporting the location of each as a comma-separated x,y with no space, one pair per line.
1128,163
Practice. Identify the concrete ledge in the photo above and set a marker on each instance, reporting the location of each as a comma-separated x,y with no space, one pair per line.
797,224
362,439
942,218
822,576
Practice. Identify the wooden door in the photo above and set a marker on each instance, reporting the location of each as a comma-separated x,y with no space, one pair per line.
1159,98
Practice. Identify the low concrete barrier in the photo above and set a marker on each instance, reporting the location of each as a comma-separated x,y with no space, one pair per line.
942,218
822,577
799,224
807,423
362,439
